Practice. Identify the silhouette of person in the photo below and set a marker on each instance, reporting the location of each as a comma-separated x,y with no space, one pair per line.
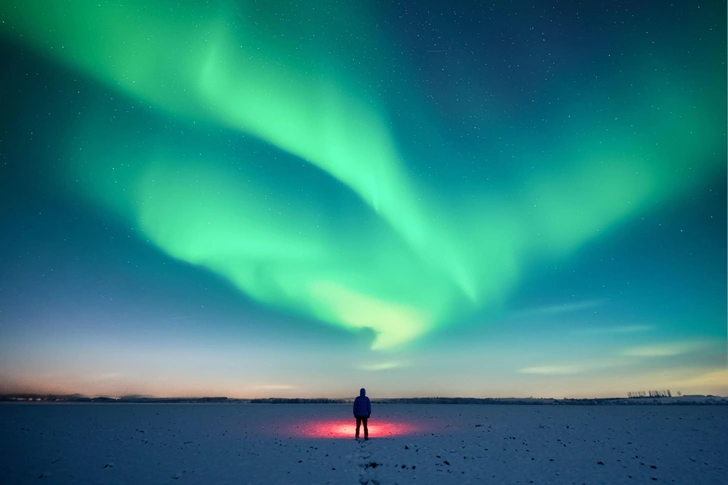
362,411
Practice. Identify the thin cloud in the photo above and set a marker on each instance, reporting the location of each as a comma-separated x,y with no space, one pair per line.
559,309
583,367
613,330
664,350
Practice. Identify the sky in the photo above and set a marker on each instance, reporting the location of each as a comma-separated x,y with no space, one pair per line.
269,199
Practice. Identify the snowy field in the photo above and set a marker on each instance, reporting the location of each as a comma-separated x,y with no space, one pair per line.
301,444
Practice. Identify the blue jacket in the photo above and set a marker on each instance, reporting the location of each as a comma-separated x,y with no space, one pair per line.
362,405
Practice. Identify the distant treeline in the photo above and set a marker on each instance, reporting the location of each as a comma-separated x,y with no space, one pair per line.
665,393
103,399
549,402
464,400
319,400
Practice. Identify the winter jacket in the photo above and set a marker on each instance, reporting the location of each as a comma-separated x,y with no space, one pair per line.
362,405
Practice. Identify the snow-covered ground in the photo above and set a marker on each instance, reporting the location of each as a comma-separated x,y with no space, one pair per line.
301,444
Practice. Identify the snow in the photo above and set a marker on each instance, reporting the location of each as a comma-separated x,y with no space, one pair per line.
313,443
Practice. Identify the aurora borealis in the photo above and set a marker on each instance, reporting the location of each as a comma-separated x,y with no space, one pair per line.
258,198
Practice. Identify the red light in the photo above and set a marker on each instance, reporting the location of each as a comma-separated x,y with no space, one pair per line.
347,428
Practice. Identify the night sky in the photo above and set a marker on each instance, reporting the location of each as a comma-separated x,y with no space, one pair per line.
245,199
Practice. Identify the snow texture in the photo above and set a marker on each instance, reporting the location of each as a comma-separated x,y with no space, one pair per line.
302,444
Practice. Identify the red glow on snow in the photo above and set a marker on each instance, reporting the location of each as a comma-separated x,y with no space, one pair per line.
347,429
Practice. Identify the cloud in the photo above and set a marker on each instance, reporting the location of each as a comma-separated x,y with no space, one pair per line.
383,365
558,309
613,330
664,350
582,367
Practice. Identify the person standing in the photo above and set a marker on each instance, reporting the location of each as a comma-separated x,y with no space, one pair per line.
362,411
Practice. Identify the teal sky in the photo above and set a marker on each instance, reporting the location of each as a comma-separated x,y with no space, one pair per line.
258,199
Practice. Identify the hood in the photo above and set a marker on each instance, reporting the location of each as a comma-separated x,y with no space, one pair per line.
362,392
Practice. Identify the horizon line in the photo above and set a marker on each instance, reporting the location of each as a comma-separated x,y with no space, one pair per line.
27,395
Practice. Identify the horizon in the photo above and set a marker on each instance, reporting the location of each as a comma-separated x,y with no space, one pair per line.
340,400
301,200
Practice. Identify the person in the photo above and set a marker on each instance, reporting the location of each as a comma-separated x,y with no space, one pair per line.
362,411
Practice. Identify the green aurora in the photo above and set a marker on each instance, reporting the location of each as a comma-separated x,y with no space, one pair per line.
418,256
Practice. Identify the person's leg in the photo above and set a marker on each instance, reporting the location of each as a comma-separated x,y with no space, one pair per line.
366,430
358,423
